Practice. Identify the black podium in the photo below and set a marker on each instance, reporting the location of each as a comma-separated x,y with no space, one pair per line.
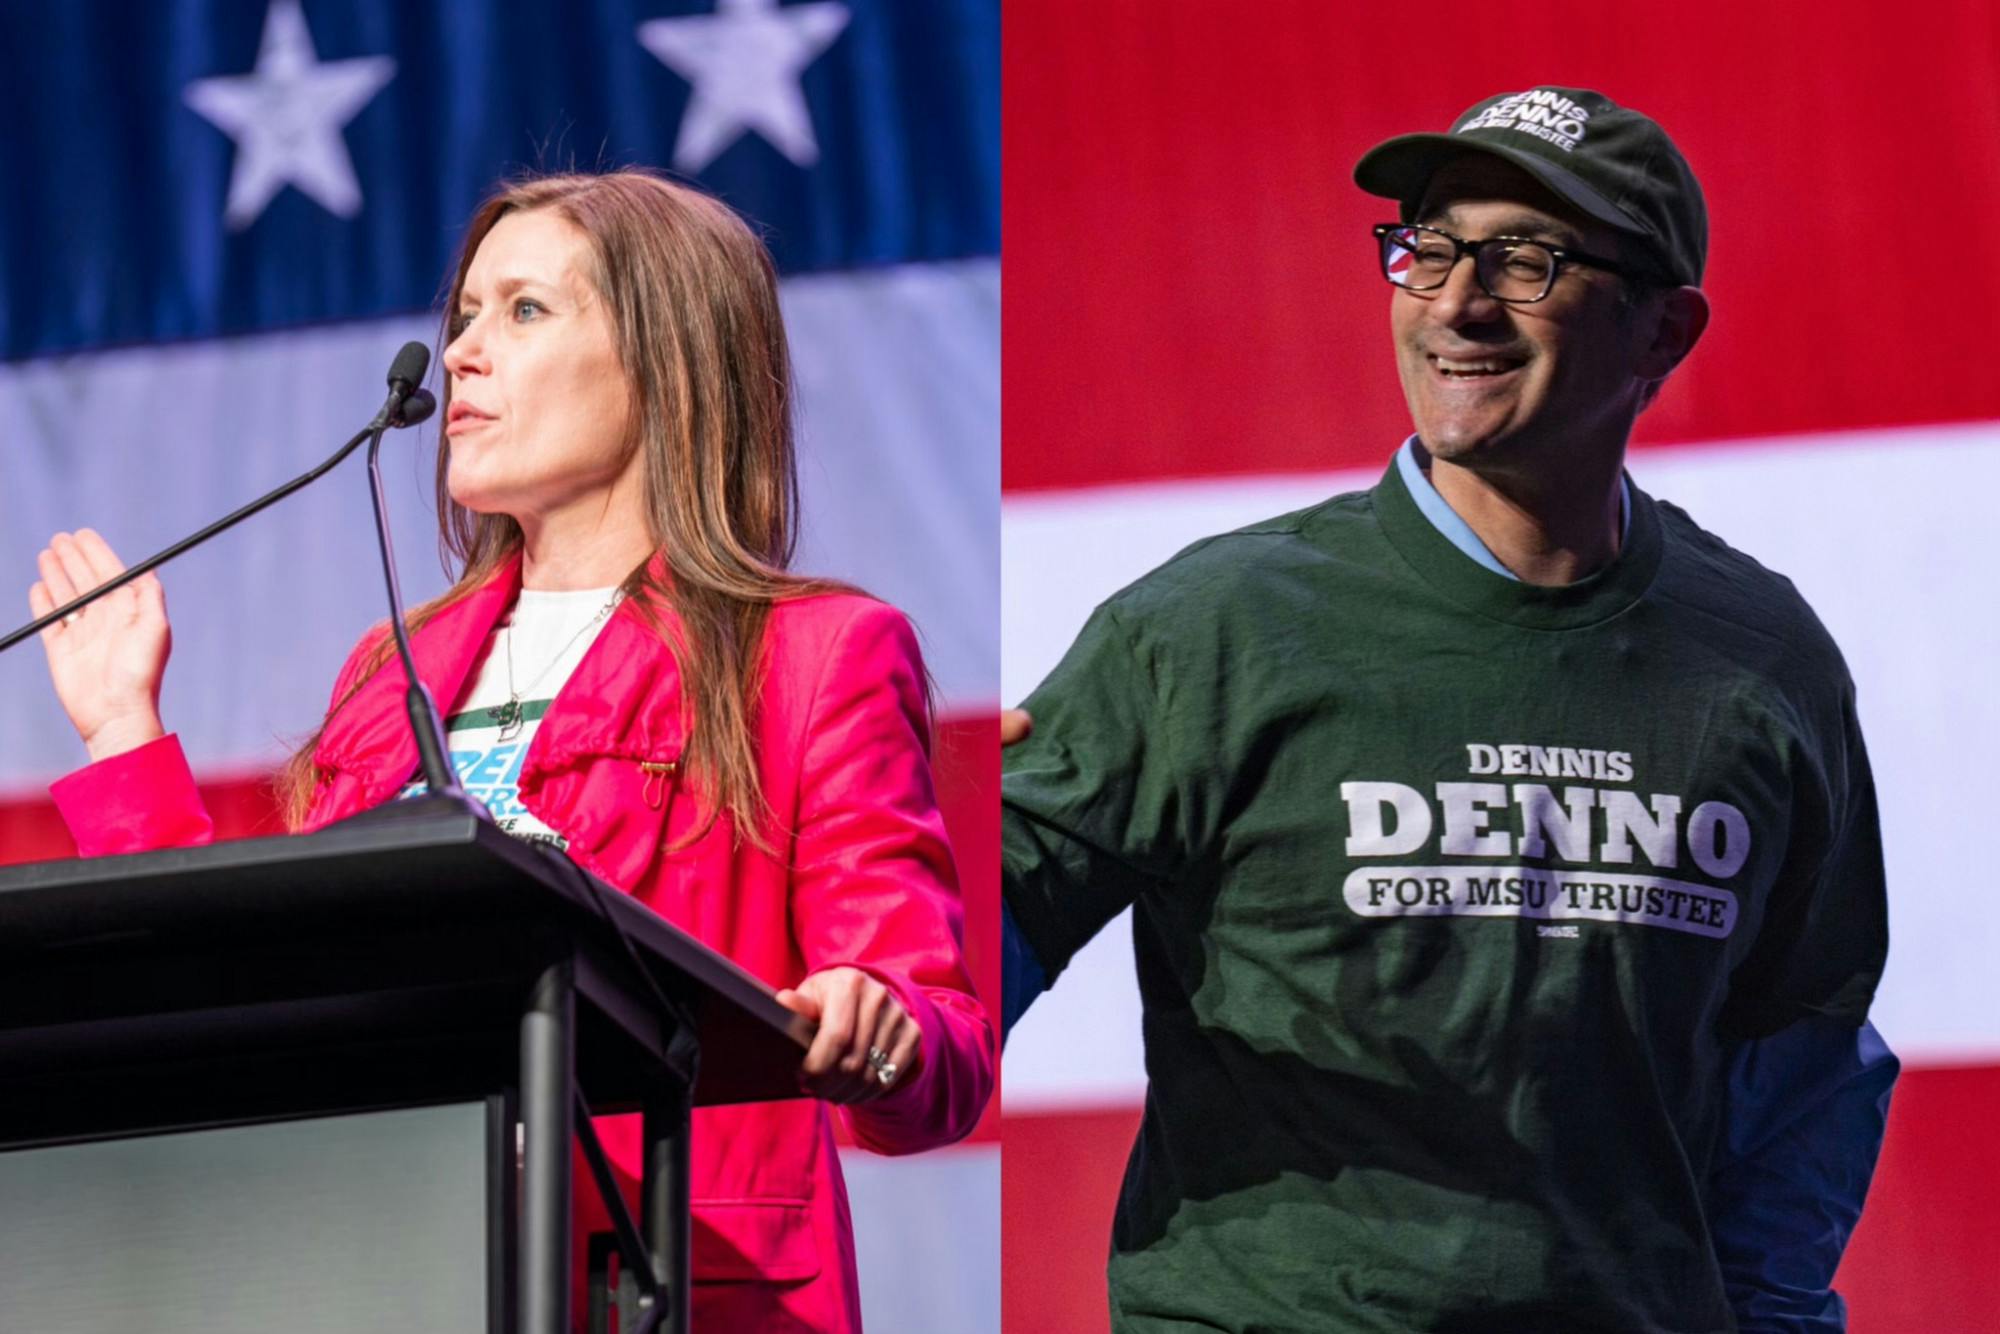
418,961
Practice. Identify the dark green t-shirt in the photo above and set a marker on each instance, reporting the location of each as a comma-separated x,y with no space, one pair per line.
1448,892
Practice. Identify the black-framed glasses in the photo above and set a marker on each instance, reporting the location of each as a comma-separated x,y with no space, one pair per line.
1513,269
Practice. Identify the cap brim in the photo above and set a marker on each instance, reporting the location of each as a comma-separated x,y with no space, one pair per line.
1402,167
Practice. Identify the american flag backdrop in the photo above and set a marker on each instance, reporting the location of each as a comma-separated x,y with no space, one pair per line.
1196,337
221,219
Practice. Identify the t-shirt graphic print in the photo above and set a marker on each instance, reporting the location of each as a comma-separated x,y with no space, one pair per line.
521,671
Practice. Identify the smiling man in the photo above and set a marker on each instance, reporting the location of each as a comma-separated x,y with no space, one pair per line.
1502,848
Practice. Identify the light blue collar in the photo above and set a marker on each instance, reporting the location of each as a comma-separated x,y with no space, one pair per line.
1445,519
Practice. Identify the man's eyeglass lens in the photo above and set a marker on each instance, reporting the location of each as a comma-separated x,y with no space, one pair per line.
1421,258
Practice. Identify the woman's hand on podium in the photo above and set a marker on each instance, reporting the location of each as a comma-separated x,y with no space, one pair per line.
106,660
867,1043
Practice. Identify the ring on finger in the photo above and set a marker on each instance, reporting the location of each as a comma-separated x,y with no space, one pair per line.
884,1069
71,619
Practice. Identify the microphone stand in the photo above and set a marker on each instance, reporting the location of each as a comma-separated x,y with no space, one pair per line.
442,792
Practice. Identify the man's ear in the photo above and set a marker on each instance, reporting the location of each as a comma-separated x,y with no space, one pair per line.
1683,316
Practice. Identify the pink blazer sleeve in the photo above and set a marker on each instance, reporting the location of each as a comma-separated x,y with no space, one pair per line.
873,884
134,802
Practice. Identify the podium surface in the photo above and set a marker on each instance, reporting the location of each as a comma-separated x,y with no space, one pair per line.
426,959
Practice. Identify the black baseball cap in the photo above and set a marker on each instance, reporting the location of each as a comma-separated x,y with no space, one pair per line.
1610,162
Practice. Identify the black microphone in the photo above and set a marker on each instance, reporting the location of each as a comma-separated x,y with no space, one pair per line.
406,372
417,407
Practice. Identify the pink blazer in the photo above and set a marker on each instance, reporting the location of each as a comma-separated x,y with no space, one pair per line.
862,875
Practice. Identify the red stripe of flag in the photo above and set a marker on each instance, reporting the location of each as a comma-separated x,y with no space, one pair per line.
1190,283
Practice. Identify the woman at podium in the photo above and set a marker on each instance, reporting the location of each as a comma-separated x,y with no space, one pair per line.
632,673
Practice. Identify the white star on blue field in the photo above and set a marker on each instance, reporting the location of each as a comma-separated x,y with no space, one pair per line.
286,117
744,61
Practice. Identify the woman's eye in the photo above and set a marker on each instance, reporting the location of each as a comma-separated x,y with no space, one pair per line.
460,322
524,309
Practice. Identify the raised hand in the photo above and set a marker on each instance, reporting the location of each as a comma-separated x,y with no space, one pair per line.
107,660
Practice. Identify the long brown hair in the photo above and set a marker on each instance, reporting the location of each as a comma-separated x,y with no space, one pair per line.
693,302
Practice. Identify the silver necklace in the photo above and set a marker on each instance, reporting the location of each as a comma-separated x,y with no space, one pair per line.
508,715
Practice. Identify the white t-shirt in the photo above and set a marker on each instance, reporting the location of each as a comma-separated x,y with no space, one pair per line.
546,635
